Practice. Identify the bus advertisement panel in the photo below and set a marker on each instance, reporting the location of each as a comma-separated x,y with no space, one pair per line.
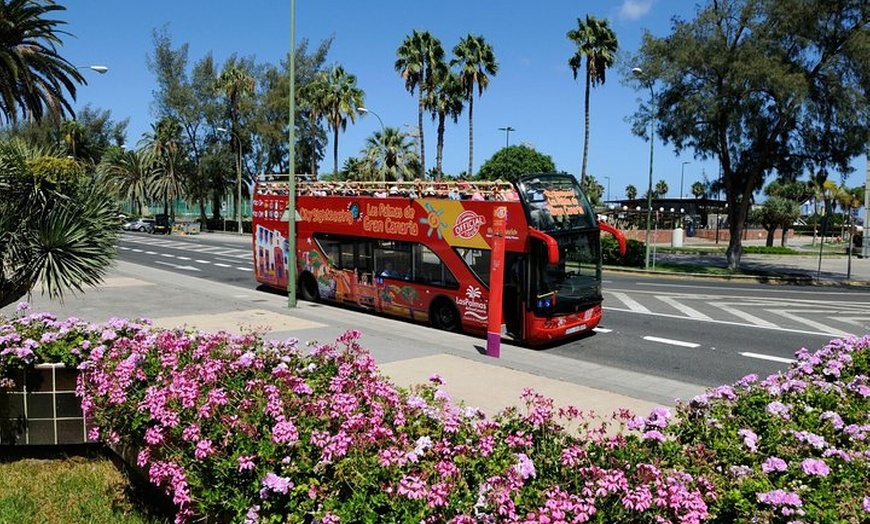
423,252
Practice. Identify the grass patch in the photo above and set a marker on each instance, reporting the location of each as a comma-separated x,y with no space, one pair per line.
72,490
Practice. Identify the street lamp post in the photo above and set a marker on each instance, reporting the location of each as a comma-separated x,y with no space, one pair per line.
291,162
238,176
608,187
366,110
507,134
638,72
682,172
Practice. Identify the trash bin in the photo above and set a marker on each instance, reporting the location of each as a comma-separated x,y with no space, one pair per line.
677,237
690,230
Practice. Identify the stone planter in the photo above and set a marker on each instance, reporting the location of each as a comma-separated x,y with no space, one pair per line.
41,408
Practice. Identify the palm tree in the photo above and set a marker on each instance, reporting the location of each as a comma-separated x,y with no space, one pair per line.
476,61
130,173
596,42
630,192
58,226
163,148
421,63
447,102
238,85
341,98
34,79
391,154
661,189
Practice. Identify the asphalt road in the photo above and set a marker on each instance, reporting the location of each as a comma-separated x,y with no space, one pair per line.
705,332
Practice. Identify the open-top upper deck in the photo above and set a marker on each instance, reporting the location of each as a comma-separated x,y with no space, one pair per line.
447,189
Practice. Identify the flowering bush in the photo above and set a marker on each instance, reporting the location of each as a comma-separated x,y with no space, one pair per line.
794,447
237,428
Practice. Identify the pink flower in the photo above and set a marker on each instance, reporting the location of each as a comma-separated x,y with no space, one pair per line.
245,462
774,464
813,466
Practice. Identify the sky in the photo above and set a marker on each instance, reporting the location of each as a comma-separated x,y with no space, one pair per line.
534,91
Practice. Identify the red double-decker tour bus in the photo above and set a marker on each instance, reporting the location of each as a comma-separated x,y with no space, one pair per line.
421,250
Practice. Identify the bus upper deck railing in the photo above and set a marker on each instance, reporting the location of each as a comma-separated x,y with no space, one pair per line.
452,189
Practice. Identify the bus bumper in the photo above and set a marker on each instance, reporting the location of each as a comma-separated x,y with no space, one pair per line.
543,330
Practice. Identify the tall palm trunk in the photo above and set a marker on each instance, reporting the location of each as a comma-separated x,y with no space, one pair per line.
422,173
586,130
335,153
470,134
439,146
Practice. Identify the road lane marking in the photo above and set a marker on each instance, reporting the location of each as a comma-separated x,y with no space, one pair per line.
218,264
682,308
176,266
183,258
244,268
672,342
809,323
723,322
203,261
752,319
601,330
770,358
631,303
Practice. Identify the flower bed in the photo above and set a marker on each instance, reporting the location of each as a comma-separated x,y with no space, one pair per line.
236,428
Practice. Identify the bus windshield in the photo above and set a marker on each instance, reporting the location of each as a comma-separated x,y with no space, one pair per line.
556,203
574,283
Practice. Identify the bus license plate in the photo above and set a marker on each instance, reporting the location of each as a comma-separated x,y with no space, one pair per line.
575,329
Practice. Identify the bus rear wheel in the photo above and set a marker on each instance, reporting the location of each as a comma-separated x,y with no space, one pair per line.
444,315
308,288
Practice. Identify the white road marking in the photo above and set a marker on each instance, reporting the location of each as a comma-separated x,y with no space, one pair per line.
176,266
809,323
771,358
602,330
203,261
183,258
672,342
752,319
218,264
682,308
245,268
631,303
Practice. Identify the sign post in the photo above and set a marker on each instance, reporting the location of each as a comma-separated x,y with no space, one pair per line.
496,281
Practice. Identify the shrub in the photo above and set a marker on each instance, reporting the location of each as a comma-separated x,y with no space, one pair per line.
236,428
635,253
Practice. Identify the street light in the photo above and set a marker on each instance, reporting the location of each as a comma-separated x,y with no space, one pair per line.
365,110
608,188
507,134
238,176
101,69
639,74
682,171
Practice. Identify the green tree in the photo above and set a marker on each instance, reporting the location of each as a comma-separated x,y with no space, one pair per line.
36,80
130,173
420,62
764,86
698,190
476,61
310,131
169,163
630,192
661,189
341,98
512,162
447,102
390,155
58,227
593,189
776,212
597,44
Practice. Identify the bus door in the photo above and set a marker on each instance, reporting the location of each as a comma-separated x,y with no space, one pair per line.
514,294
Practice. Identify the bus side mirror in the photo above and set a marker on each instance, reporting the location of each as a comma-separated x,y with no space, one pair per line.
620,238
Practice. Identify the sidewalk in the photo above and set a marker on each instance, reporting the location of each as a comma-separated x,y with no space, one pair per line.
406,353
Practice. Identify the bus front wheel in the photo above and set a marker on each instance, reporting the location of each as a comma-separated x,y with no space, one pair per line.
443,315
308,288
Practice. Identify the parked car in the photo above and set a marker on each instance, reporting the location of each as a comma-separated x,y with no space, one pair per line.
145,225
162,224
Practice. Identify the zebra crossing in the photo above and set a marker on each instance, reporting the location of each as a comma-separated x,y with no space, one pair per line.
816,315
217,256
